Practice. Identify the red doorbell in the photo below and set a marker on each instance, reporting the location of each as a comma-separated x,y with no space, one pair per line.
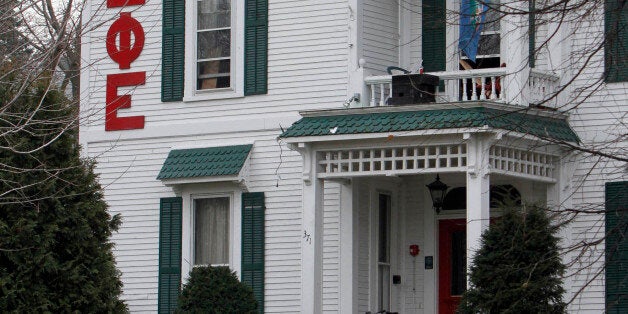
414,250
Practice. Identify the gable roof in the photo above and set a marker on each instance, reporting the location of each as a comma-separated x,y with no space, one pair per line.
204,162
395,121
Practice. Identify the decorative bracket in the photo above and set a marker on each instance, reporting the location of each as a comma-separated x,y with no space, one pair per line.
306,153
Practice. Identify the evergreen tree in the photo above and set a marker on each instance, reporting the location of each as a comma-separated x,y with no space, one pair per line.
55,253
14,48
518,268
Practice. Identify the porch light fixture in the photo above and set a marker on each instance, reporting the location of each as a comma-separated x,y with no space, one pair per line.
437,192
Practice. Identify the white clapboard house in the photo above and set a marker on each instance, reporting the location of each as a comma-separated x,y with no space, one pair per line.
267,135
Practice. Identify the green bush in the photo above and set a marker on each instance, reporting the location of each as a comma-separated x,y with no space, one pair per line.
518,268
215,290
55,252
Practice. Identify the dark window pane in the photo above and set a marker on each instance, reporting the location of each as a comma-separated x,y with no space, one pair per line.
489,44
213,14
214,74
458,262
384,227
213,44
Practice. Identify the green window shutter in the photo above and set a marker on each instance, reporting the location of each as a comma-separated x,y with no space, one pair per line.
616,41
253,209
169,254
532,33
172,50
433,39
256,47
616,247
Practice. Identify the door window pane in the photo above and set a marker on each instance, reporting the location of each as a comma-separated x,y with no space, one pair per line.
383,265
458,262
211,231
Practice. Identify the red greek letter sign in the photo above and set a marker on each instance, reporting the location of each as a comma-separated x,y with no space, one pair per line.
125,26
123,3
115,101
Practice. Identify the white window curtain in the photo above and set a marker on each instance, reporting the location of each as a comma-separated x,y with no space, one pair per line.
211,231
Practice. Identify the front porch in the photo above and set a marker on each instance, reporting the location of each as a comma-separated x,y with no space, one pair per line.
381,160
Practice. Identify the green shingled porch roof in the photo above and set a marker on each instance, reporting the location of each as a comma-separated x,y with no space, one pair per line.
204,162
383,122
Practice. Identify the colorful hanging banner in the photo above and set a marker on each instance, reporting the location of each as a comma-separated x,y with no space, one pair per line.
472,16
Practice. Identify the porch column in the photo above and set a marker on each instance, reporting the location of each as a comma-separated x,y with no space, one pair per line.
348,249
311,237
478,198
514,52
558,199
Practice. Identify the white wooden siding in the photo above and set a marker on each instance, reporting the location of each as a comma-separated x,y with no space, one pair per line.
412,36
414,267
132,190
599,119
380,35
307,69
308,53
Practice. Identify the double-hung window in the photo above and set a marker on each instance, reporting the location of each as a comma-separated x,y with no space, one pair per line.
211,231
213,44
214,49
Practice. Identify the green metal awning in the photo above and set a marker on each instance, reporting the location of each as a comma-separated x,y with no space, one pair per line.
205,162
399,119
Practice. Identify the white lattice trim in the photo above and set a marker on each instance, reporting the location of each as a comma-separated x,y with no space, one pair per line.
522,163
392,161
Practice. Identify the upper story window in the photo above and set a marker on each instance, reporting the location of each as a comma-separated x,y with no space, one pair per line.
213,44
203,48
214,56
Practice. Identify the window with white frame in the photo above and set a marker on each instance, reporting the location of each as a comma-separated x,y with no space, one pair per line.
214,40
203,49
213,44
211,234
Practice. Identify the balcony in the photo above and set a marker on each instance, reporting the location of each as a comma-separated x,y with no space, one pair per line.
477,85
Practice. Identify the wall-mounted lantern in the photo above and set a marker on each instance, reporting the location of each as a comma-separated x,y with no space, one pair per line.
437,191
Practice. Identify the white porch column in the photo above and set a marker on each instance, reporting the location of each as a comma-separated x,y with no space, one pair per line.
559,198
311,237
478,198
348,250
514,52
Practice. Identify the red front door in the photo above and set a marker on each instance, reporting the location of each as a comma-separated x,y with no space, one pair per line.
452,261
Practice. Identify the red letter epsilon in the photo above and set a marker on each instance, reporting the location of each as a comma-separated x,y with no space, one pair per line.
122,3
115,101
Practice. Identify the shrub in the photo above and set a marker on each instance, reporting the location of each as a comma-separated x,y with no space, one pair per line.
215,290
55,252
518,268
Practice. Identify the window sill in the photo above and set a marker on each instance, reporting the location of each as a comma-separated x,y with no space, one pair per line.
213,95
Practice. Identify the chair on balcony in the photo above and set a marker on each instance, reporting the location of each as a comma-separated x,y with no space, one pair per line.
484,86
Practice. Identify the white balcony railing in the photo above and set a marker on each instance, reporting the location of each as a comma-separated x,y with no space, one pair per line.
542,85
469,85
